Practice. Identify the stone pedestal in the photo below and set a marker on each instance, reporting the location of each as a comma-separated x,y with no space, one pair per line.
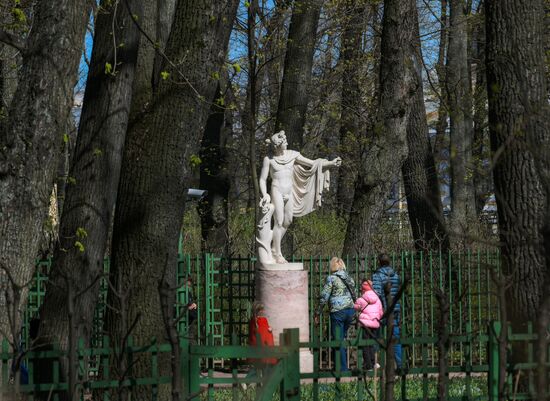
283,289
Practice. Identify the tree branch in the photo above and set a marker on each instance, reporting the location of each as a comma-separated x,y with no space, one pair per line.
12,40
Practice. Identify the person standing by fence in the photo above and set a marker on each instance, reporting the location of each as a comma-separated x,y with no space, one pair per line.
259,335
189,308
339,293
382,276
370,310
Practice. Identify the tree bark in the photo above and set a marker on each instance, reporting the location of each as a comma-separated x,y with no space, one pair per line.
147,74
480,153
214,178
293,101
419,171
252,103
386,146
518,125
157,166
352,109
460,110
441,140
32,132
94,175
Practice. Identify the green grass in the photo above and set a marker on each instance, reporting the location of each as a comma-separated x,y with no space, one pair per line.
348,391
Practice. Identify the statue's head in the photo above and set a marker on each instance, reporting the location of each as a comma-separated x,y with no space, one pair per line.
278,139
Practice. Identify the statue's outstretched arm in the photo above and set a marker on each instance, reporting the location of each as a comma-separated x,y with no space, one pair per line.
326,163
304,161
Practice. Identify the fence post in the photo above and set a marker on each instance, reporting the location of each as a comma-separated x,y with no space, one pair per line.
184,345
290,389
494,334
194,375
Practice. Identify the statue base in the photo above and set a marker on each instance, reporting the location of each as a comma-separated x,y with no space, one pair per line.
283,290
280,266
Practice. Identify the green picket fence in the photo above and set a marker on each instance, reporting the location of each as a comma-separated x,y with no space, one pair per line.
224,291
285,381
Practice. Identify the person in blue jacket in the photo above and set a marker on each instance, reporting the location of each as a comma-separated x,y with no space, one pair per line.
385,274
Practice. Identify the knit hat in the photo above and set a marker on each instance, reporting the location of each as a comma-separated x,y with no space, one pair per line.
367,285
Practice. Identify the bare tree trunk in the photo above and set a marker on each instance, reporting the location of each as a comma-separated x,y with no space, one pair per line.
274,45
482,176
214,178
77,264
252,103
517,103
419,172
386,147
156,171
34,128
440,142
443,342
293,101
520,133
543,322
352,110
460,110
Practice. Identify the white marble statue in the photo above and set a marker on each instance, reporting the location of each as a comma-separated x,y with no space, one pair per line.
297,185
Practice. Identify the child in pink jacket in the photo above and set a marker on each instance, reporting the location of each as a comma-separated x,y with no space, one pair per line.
370,312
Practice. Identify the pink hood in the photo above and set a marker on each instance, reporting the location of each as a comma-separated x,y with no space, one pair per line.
371,309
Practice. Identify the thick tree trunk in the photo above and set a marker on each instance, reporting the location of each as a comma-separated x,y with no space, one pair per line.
147,74
273,44
459,97
33,131
214,178
293,101
95,171
482,175
386,147
352,109
517,104
441,140
157,165
458,85
252,103
419,172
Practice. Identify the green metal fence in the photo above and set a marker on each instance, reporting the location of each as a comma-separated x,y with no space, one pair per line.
224,290
284,382
464,277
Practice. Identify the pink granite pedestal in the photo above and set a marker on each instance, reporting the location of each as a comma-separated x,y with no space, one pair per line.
283,289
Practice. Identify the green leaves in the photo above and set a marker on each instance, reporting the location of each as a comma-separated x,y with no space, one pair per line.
164,75
81,232
194,161
108,68
79,245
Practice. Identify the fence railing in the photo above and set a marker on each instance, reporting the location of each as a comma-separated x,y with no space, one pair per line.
224,289
200,381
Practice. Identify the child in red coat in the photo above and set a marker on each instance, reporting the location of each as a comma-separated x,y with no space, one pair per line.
260,333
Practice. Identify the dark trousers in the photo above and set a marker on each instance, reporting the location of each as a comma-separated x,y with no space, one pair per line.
369,351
